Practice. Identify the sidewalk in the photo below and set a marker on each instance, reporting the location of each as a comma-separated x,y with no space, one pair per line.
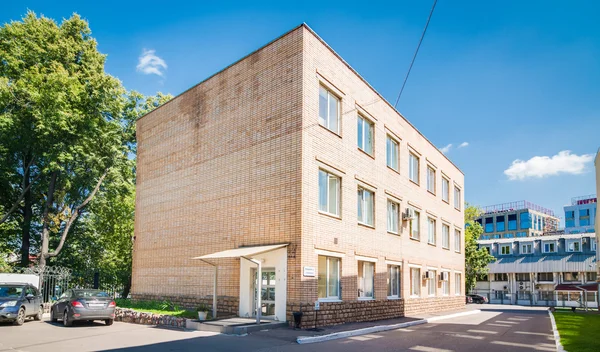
302,336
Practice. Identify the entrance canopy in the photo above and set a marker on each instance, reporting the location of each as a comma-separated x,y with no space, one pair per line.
241,252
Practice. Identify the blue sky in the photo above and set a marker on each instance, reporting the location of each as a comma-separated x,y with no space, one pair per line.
513,79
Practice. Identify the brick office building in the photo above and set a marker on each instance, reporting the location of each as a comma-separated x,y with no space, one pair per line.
289,159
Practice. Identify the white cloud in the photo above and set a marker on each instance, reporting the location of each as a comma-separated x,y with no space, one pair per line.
541,166
150,64
464,144
446,149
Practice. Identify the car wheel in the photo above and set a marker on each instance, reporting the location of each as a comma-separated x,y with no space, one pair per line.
53,317
40,314
66,321
20,317
108,321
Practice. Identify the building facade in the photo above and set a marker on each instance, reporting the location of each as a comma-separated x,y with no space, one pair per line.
597,225
552,270
288,166
516,220
580,216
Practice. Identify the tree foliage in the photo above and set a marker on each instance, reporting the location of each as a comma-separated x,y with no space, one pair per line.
476,260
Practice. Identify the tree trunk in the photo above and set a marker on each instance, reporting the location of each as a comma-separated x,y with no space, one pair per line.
126,288
27,216
46,219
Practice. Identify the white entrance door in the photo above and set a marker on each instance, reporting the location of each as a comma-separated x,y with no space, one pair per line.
268,292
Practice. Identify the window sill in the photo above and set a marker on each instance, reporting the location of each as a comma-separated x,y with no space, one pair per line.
416,183
432,193
366,298
414,296
446,201
365,153
432,244
366,225
332,132
330,215
446,248
415,239
391,168
393,298
329,300
457,252
393,233
457,209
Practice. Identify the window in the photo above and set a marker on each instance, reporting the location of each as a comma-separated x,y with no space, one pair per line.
496,236
431,282
505,249
525,219
366,275
482,277
549,247
393,211
489,225
573,245
365,206
445,190
329,110
431,231
394,281
526,248
457,199
430,179
365,135
521,277
591,276
521,234
500,223
415,282
445,283
594,245
457,241
415,223
457,284
584,217
570,218
445,236
329,278
391,152
500,277
512,222
329,193
571,277
413,168
545,277
509,235
486,248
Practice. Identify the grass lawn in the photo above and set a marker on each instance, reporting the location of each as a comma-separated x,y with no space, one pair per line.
164,308
578,331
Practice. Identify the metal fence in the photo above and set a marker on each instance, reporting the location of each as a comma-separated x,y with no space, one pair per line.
577,299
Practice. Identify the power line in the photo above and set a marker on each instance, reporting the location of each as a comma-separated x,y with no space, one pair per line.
416,52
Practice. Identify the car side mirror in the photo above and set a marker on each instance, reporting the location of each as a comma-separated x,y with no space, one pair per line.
29,296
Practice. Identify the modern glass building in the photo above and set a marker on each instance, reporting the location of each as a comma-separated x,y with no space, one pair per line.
580,216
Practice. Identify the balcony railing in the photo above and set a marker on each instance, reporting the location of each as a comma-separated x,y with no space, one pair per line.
591,198
511,206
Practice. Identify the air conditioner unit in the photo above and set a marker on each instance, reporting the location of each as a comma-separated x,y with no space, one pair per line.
444,276
428,275
408,214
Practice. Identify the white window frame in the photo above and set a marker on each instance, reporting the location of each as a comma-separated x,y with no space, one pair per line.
445,190
394,270
457,197
415,282
432,283
366,128
328,297
414,163
393,216
457,284
412,227
549,242
392,146
445,284
431,233
445,236
431,179
525,245
329,177
457,240
502,246
363,203
363,280
573,242
327,121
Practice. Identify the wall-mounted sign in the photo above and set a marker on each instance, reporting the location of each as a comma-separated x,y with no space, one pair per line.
309,271
317,305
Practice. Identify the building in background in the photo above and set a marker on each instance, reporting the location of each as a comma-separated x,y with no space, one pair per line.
551,270
516,219
293,181
597,227
580,216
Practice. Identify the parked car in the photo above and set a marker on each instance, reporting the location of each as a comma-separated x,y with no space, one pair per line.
478,299
19,301
468,299
82,304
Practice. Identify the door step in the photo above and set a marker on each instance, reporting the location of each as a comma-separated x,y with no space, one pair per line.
233,326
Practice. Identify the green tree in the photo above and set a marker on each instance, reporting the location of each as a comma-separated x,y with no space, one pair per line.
476,260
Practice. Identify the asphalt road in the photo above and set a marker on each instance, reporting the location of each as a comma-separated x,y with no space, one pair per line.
494,329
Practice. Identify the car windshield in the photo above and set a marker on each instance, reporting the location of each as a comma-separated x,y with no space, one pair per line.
91,294
11,291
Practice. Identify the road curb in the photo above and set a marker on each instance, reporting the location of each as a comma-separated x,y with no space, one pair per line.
559,346
343,334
